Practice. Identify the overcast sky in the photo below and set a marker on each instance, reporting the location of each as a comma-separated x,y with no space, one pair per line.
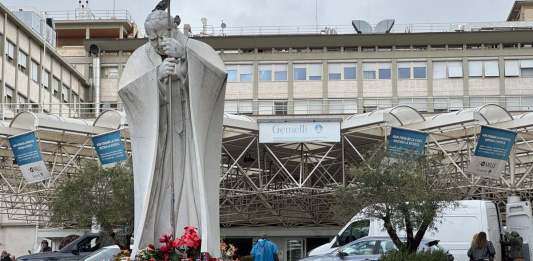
298,12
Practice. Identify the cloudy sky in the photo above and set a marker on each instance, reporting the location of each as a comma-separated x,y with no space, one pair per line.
298,12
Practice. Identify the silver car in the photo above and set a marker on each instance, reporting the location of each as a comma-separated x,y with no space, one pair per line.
369,249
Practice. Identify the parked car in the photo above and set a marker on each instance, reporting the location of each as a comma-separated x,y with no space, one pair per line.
370,249
108,253
76,250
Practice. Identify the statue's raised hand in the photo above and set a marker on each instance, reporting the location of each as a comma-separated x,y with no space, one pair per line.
167,68
173,48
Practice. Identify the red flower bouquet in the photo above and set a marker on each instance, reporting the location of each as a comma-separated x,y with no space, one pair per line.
185,247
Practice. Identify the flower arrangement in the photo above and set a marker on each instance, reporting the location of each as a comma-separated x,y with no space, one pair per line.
185,247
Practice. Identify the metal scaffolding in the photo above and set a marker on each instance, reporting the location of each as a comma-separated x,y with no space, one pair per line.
285,184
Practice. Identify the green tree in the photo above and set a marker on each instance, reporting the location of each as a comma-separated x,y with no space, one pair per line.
406,194
106,194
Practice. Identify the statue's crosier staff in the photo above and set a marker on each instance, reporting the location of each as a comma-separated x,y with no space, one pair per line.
171,132
165,4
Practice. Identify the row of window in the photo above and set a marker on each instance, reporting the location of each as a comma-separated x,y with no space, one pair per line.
348,106
22,64
380,71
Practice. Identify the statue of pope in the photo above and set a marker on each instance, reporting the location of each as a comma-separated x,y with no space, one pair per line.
198,82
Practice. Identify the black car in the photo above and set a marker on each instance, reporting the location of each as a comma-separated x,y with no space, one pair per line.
76,250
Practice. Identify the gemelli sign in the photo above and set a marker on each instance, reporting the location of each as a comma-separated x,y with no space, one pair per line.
278,132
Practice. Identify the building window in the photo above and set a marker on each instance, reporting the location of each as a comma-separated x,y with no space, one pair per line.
519,68
384,70
369,71
46,79
372,71
64,93
34,71
55,87
335,71
245,73
341,71
311,72
419,70
110,72
265,72
483,69
404,71
231,70
300,72
414,70
280,107
276,72
10,51
239,73
315,72
444,70
23,61
9,94
280,72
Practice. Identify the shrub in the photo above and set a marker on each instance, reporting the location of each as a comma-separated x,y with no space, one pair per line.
435,255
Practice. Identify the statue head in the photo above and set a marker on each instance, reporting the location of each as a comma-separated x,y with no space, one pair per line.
156,27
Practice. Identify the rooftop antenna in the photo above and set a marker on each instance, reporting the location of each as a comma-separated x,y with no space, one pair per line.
222,27
316,15
204,25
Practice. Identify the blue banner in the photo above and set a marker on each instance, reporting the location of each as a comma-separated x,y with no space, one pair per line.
25,148
110,148
28,157
403,143
495,143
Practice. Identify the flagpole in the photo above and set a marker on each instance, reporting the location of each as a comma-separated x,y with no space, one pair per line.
170,134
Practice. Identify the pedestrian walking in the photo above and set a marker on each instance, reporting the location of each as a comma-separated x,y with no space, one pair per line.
264,250
481,249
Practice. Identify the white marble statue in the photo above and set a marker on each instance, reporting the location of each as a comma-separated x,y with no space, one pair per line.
197,104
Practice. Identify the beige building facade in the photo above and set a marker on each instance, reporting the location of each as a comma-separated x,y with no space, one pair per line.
33,74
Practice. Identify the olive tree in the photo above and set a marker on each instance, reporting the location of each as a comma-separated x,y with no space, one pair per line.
408,195
106,194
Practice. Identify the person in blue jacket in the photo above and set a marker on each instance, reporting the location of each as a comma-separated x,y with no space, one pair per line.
264,250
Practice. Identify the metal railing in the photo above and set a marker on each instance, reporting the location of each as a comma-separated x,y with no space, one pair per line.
345,106
88,14
67,110
211,30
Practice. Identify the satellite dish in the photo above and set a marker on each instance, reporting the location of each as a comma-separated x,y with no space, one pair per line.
362,27
384,27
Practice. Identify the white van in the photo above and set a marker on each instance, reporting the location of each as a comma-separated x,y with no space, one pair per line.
454,229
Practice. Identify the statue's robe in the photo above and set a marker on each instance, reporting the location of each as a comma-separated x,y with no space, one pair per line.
197,111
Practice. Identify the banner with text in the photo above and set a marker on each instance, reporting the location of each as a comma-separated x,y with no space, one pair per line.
110,148
492,152
403,143
28,157
279,132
